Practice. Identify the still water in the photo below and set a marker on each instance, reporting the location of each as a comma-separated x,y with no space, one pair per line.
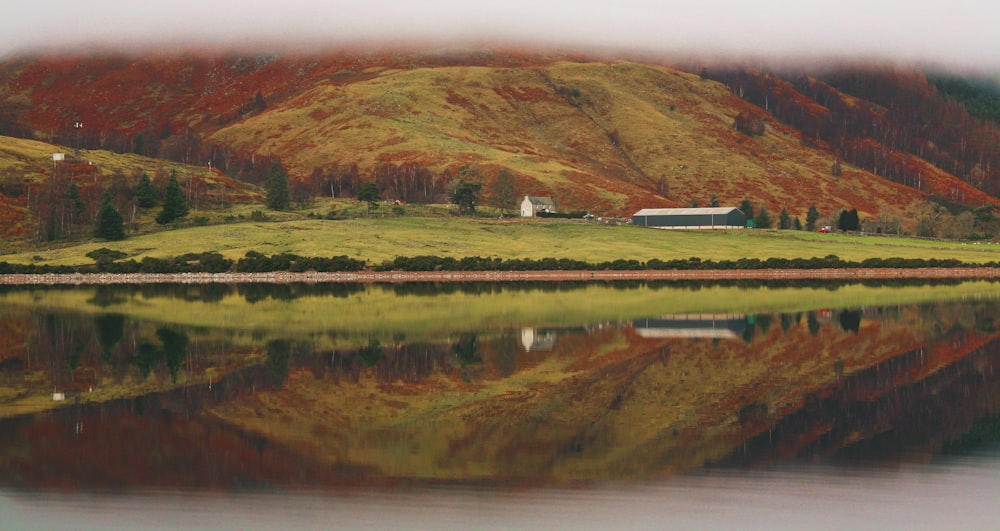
583,405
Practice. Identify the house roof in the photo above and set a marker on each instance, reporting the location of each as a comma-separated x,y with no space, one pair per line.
685,211
540,200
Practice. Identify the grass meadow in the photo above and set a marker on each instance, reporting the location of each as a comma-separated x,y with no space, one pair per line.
432,231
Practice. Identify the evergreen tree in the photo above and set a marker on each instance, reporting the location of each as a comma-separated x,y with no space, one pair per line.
784,220
747,208
145,194
174,205
76,206
110,223
797,224
714,201
849,220
276,188
811,218
763,219
140,145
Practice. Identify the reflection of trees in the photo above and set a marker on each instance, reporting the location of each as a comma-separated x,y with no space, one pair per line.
145,357
907,403
174,348
279,353
412,363
371,353
507,347
110,330
466,349
812,321
850,321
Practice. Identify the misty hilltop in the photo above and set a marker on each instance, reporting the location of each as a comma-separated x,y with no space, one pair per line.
603,136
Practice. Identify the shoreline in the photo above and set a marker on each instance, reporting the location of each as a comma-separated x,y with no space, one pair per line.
284,277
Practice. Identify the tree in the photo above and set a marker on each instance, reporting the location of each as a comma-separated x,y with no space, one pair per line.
174,205
797,224
747,208
784,220
110,223
849,220
75,204
370,194
145,194
714,201
763,219
465,196
811,218
140,145
276,188
503,191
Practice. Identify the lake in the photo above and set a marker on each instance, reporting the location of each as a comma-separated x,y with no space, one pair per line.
635,404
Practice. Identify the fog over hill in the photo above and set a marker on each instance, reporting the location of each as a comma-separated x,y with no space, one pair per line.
960,34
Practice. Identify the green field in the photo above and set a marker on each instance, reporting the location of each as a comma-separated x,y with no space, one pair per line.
380,238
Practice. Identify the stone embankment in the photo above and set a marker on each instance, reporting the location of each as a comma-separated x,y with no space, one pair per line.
499,276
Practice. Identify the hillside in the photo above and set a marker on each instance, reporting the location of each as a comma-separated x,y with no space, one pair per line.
36,202
608,137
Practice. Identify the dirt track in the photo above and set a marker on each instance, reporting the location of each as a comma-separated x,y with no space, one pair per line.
500,276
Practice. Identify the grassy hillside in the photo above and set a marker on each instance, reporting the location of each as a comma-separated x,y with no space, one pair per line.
379,239
604,136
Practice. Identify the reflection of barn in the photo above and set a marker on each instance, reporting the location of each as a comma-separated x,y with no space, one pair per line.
690,218
535,339
721,326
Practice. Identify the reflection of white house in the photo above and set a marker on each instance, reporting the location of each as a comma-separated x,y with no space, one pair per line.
722,326
533,205
532,339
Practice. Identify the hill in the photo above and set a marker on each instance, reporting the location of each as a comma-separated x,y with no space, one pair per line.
604,136
36,201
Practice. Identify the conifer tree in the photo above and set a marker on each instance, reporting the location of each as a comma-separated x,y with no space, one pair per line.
145,194
174,204
811,218
784,220
276,188
110,223
763,219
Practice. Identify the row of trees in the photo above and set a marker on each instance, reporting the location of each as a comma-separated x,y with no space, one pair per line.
67,204
762,218
892,113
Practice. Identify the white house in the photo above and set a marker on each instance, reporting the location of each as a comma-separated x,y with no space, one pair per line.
533,205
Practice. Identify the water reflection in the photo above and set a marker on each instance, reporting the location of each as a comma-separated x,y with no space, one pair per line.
260,387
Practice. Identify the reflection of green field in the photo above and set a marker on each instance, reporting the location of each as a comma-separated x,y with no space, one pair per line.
376,240
378,311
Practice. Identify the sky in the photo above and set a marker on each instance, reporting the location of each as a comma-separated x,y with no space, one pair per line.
959,33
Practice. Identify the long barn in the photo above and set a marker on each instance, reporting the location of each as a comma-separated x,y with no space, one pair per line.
690,218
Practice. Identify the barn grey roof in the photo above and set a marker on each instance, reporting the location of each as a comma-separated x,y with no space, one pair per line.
684,211
540,200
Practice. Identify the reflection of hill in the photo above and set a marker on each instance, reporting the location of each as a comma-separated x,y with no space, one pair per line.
604,403
907,407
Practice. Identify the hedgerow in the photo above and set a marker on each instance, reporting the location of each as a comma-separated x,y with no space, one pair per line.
256,262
